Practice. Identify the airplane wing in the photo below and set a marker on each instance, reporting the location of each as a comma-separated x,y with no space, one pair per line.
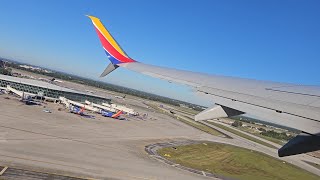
295,106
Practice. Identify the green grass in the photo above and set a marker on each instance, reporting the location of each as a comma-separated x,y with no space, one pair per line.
277,141
234,162
187,111
242,134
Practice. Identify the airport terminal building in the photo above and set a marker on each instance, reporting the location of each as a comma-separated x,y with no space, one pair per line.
46,89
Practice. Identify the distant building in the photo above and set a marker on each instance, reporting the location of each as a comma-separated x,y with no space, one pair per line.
29,67
48,90
35,68
184,106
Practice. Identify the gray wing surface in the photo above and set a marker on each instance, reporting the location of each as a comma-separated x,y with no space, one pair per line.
294,106
290,105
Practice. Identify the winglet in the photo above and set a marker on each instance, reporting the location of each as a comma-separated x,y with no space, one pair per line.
114,52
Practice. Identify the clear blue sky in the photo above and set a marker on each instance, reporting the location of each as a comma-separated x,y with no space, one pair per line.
268,40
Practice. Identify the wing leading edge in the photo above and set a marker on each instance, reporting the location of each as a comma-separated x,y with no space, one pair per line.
290,105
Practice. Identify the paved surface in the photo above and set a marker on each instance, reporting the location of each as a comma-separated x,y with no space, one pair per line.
66,143
101,148
9,173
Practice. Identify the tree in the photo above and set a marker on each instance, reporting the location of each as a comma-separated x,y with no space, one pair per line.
262,129
236,123
5,71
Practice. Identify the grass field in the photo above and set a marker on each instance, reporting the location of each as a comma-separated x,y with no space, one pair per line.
242,134
234,162
187,111
277,141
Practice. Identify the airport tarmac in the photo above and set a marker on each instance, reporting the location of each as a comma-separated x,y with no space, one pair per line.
99,148
65,143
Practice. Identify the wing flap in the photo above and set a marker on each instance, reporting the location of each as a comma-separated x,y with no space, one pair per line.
302,143
278,105
270,115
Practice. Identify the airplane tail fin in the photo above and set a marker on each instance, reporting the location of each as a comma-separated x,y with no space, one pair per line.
114,52
117,114
82,110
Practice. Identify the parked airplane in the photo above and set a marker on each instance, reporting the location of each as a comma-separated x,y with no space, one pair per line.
28,100
76,110
111,114
79,111
295,106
